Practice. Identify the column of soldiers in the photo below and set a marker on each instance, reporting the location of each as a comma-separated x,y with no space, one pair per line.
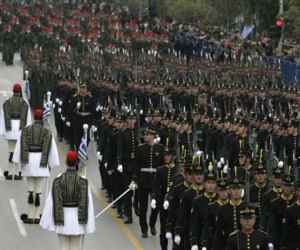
201,147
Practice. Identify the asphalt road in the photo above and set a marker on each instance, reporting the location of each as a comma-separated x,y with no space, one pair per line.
111,233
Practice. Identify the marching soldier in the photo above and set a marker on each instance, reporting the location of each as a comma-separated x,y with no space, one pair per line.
211,220
258,191
228,217
278,208
36,150
129,147
291,227
15,115
182,229
200,208
247,237
161,186
149,158
69,210
83,110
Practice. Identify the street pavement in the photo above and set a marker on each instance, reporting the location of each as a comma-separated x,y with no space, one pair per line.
111,233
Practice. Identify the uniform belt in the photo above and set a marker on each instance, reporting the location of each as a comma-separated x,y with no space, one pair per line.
15,116
84,113
148,170
35,149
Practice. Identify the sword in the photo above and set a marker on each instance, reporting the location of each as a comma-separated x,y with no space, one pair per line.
112,203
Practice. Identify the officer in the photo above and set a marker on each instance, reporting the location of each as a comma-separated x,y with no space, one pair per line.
149,158
248,237
36,150
83,110
15,115
69,210
129,147
162,185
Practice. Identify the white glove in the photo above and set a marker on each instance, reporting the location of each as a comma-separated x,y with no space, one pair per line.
59,110
133,186
94,129
57,100
99,156
271,246
168,235
153,203
158,139
60,103
177,239
63,118
78,105
222,160
105,164
203,248
68,124
195,247
166,205
120,168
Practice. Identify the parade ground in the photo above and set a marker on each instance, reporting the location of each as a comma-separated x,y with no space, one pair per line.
111,232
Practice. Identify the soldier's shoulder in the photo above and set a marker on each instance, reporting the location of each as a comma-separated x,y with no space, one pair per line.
262,232
234,233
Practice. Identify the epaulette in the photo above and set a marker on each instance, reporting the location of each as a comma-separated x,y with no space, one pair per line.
262,231
59,175
275,199
292,205
234,233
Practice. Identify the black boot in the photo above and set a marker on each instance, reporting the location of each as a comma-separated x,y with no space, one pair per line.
19,176
30,197
37,200
7,175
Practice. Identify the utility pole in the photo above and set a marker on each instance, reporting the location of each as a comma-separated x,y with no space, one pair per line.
280,14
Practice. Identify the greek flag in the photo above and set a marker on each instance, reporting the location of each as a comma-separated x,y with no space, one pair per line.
82,151
247,31
47,111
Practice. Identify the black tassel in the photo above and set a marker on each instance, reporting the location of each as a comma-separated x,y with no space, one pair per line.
37,200
10,157
30,198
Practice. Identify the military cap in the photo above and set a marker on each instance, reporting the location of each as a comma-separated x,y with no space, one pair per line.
247,211
150,130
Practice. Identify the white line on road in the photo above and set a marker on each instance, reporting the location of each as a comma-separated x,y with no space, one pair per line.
15,212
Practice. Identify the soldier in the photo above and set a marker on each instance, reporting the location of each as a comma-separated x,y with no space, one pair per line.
182,229
200,208
258,191
228,217
69,210
15,115
248,237
273,193
278,208
162,184
149,158
83,110
211,220
129,147
36,150
291,226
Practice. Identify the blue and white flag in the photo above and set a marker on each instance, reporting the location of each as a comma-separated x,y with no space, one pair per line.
82,151
46,111
247,31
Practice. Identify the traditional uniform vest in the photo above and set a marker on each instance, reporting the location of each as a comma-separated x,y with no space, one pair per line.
15,108
70,190
36,138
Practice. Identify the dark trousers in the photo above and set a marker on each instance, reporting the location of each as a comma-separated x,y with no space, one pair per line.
163,215
144,194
